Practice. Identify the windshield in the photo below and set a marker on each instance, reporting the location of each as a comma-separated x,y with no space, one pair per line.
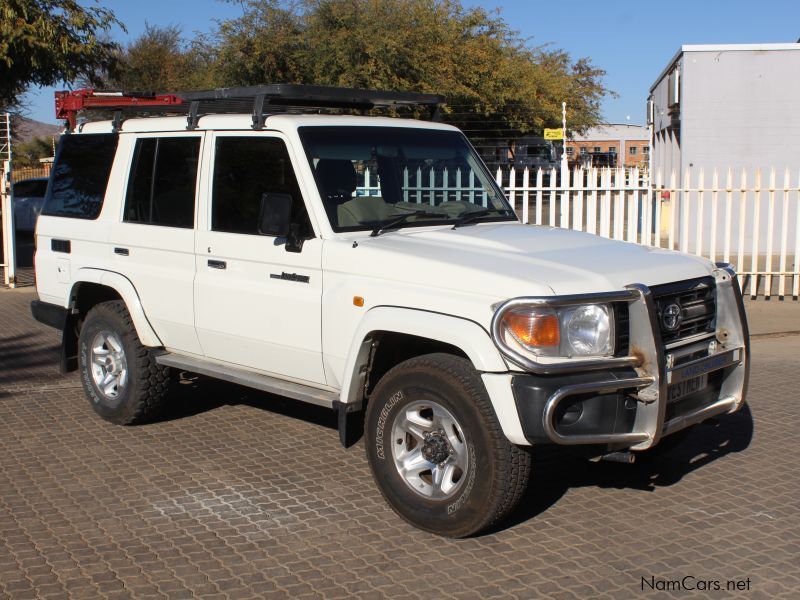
375,177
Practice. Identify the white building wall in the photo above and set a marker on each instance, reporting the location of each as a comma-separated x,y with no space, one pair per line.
738,109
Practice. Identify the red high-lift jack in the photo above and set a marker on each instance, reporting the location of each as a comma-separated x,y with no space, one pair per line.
69,103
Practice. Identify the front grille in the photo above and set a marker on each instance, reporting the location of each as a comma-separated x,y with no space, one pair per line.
622,329
696,300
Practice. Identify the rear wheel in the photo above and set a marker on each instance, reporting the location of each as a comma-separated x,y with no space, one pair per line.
437,451
120,376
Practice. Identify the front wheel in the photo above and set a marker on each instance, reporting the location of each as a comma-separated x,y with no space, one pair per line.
437,451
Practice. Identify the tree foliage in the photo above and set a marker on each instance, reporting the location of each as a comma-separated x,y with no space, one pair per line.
161,60
497,84
27,154
46,41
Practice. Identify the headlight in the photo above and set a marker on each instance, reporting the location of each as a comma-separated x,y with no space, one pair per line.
577,330
589,330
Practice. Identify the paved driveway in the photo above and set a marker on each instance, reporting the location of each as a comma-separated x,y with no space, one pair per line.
241,494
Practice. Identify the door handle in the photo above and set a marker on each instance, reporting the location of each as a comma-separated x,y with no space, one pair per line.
217,264
122,251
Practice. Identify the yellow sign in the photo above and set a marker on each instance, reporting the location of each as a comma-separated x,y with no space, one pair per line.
553,134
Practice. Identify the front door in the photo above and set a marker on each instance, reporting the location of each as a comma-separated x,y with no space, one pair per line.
256,304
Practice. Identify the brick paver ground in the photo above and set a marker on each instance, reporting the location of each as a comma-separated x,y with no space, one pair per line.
238,494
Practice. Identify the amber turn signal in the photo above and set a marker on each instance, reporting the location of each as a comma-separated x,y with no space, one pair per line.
358,301
534,330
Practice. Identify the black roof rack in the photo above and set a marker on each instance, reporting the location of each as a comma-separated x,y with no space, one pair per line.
257,100
261,99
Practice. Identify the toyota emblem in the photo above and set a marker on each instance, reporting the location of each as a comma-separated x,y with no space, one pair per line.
671,316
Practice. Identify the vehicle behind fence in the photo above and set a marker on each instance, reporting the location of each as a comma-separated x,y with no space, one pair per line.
739,217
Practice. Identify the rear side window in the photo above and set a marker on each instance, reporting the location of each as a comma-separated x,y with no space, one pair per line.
246,168
161,187
80,175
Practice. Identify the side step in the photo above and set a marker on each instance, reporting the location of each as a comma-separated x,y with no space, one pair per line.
265,383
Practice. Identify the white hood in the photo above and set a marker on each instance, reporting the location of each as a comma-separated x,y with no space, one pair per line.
512,259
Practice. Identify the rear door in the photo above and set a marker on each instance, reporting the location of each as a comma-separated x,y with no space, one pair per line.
257,305
153,242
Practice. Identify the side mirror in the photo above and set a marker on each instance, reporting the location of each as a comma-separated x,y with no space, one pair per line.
275,214
294,241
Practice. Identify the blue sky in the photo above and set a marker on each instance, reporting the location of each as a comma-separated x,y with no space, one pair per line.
631,40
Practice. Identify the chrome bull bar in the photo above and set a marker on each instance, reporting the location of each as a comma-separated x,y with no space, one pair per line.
647,357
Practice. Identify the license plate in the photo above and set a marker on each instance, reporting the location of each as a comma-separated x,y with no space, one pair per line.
685,388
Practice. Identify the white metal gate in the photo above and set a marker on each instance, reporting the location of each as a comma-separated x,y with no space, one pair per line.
9,261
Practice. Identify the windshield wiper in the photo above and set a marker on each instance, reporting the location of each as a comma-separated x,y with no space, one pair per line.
400,220
473,215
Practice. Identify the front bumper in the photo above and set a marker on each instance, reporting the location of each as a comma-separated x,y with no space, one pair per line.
624,402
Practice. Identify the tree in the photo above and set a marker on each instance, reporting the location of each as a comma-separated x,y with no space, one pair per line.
27,154
43,42
160,60
497,85
267,44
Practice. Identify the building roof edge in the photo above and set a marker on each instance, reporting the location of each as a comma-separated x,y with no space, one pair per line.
721,48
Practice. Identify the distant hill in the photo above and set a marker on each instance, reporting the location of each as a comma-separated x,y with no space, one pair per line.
25,129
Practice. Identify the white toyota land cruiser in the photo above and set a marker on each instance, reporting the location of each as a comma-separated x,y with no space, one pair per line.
372,265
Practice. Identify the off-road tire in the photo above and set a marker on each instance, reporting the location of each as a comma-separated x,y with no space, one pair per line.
498,470
144,395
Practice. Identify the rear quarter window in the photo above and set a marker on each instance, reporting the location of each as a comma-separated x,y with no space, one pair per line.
80,175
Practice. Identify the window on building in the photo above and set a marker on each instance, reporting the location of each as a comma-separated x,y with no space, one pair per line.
597,149
80,175
632,150
161,189
245,169
612,149
584,151
570,150
645,149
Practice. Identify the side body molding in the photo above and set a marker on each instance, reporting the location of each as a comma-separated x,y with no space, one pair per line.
125,289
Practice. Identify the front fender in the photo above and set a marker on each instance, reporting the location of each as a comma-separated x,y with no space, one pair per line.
123,286
462,333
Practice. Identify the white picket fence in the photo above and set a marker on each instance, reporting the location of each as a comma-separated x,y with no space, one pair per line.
735,217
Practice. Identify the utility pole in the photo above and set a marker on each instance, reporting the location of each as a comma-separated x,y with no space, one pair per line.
563,134
564,179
